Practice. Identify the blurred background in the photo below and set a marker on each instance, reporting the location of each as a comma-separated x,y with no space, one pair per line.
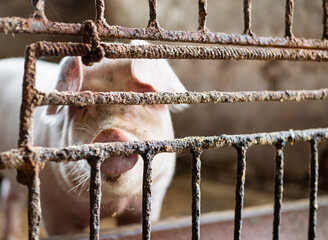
218,166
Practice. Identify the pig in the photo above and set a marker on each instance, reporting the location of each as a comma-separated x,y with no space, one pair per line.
64,186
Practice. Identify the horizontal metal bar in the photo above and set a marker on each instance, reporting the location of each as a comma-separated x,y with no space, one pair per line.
38,26
131,98
212,53
13,158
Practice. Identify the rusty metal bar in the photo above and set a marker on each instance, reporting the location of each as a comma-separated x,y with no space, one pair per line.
29,176
34,207
100,10
289,17
39,7
147,194
12,159
212,53
240,186
202,14
37,26
196,194
153,14
313,191
27,106
247,17
95,198
325,19
278,189
130,98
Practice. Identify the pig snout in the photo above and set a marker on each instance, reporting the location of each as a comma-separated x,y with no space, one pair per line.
115,166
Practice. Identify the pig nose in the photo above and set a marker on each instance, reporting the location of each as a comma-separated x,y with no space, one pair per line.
114,166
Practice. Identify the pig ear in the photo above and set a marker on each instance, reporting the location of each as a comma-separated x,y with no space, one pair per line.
69,78
156,75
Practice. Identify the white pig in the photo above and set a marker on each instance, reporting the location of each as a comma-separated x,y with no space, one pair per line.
64,187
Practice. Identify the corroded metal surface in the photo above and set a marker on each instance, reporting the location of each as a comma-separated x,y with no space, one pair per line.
130,98
196,194
278,189
148,157
313,190
29,160
240,186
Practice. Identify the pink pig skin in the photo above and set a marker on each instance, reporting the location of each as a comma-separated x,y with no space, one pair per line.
64,186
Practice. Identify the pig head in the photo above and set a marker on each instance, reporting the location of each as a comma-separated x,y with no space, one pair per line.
64,188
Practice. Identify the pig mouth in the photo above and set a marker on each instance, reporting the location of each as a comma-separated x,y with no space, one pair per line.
113,167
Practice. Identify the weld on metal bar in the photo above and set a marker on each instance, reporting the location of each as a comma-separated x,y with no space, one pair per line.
95,198
130,98
202,14
278,189
12,159
313,190
196,194
289,17
36,26
147,194
247,17
325,18
240,186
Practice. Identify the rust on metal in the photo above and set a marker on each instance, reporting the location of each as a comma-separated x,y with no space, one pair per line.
95,198
313,189
289,17
278,188
240,188
153,23
29,160
196,193
325,19
202,14
148,157
247,17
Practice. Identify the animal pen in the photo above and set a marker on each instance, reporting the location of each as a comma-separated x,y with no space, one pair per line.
29,160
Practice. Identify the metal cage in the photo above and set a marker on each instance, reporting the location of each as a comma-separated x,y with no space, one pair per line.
29,160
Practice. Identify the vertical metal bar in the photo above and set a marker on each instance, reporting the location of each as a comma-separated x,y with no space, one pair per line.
202,14
313,191
289,17
100,10
34,207
27,107
247,17
147,195
196,194
153,14
39,6
278,189
240,186
95,198
325,18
